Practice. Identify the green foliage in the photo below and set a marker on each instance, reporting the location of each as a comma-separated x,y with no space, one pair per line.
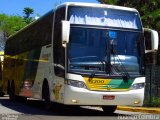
155,102
3,18
108,1
28,11
11,24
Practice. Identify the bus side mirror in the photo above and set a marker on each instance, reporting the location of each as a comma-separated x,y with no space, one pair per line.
151,46
151,40
65,32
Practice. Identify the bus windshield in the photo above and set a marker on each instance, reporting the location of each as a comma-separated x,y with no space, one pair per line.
88,51
104,17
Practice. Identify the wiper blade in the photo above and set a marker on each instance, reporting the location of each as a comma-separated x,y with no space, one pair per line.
124,73
92,76
95,71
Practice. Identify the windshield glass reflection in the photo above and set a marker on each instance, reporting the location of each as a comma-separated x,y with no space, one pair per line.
92,49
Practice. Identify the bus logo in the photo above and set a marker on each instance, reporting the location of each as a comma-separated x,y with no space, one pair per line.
108,87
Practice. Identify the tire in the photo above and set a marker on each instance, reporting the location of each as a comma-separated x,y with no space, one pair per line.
8,87
109,109
1,94
21,99
46,95
12,95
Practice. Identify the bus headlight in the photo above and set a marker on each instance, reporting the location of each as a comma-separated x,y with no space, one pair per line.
75,83
137,86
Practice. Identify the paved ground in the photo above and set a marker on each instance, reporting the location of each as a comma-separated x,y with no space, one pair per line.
34,110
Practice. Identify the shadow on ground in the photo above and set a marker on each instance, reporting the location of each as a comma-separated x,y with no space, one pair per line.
36,107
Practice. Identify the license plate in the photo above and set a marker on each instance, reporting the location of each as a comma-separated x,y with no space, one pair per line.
108,97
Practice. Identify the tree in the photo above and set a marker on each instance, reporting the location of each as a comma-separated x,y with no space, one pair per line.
28,11
108,1
9,25
3,18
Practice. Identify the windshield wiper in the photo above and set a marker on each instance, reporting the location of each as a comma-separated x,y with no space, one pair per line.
95,71
124,73
92,76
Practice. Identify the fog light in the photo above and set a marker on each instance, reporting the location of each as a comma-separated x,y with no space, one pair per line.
74,101
136,102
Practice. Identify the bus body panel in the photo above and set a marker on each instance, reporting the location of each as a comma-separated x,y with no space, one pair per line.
86,97
42,66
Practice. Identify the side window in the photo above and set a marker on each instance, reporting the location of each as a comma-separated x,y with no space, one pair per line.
35,36
59,52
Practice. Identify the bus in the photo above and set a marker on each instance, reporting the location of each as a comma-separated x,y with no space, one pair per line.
80,54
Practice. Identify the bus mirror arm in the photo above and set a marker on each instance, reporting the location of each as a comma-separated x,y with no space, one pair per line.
65,32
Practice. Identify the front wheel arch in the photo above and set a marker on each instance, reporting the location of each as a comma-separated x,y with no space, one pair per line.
46,94
109,109
8,87
45,89
12,95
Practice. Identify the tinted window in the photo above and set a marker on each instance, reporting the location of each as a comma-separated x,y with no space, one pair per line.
59,54
36,35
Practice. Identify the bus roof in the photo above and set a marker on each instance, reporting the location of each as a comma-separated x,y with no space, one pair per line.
97,5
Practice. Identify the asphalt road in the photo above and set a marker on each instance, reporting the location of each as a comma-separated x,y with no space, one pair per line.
34,110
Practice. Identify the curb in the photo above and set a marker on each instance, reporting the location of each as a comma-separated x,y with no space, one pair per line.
139,109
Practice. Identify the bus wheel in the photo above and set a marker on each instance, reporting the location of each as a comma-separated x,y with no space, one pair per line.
21,99
8,87
1,94
12,96
109,109
46,95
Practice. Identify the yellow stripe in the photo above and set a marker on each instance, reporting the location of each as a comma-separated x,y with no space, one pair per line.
99,84
96,83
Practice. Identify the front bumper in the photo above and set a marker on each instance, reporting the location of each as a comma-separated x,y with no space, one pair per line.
81,96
